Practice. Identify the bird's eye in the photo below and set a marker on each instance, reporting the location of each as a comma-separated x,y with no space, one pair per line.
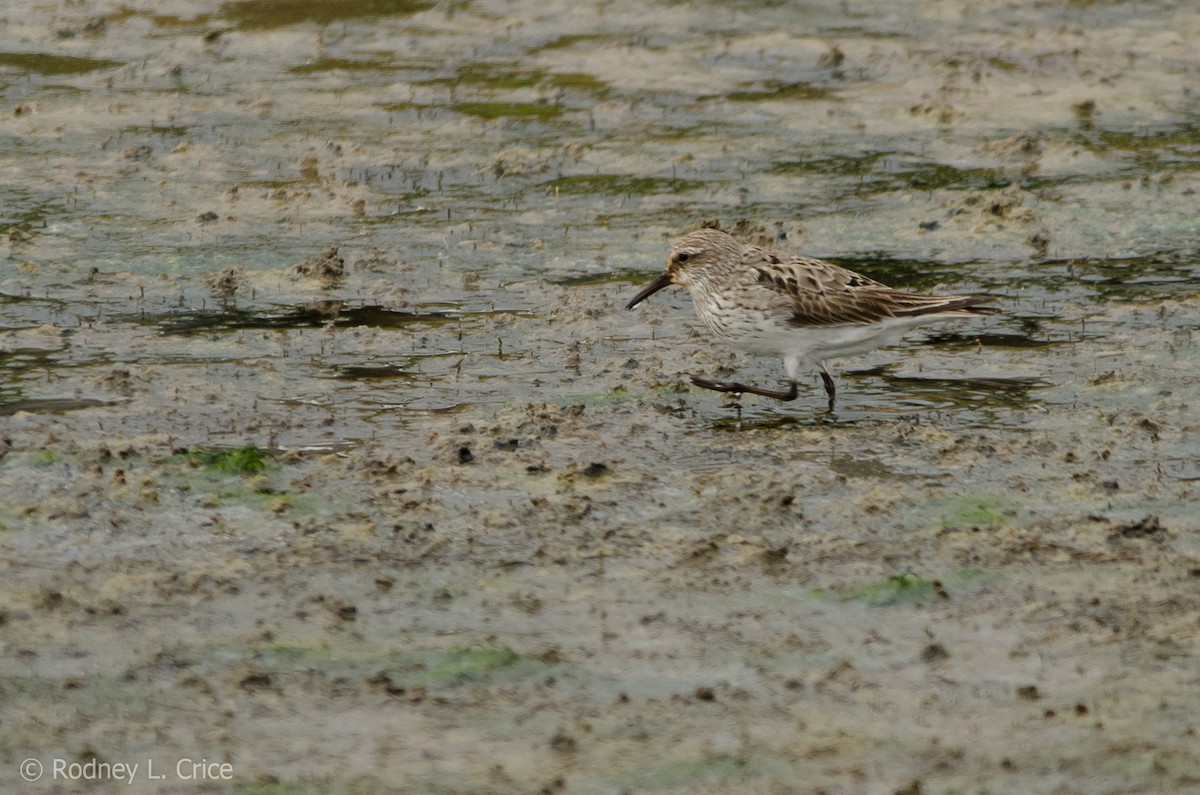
682,256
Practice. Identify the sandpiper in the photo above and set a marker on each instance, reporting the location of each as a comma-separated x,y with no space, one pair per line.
804,310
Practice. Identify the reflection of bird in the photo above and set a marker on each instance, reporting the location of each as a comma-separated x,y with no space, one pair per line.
804,310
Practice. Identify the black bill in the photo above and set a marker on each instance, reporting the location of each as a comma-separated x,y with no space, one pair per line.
650,289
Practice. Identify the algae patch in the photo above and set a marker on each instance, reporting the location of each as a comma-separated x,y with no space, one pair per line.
499,110
905,588
247,460
974,510
44,63
468,663
269,14
589,184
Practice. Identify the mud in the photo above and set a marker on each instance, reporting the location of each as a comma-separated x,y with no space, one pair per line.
329,454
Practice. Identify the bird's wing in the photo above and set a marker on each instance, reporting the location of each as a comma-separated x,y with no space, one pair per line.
812,292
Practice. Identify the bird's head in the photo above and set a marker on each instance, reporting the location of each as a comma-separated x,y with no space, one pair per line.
692,256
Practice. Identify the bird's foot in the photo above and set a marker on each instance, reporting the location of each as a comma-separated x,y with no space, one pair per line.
830,389
727,387
735,388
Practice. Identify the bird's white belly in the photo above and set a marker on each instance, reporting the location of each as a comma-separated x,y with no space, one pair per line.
768,336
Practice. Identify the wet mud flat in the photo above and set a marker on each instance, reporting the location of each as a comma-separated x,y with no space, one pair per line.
328,452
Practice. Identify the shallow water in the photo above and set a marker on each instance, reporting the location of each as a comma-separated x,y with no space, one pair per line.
495,514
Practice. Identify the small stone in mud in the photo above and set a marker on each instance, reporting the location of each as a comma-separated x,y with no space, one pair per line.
207,218
774,554
255,681
595,470
225,281
327,266
1029,692
550,656
307,166
934,652
1142,528
563,742
832,57
506,444
383,681
705,694
1084,108
465,456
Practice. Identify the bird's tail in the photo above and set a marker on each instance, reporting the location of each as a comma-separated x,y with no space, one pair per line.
964,305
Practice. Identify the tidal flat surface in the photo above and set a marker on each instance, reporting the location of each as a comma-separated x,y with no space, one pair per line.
327,450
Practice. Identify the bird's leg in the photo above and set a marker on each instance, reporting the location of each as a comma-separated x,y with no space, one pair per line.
744,389
830,389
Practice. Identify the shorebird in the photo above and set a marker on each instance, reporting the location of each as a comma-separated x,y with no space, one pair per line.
804,310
